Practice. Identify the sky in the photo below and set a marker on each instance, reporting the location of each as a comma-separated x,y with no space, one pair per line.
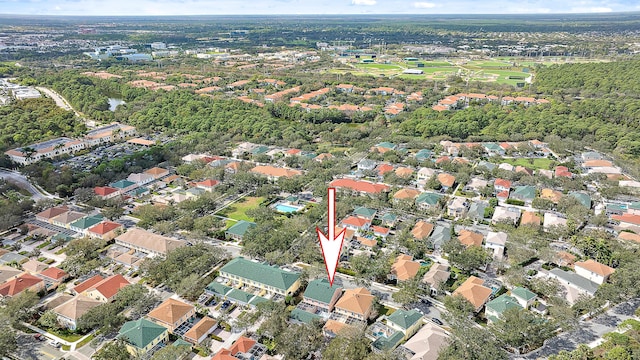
268,7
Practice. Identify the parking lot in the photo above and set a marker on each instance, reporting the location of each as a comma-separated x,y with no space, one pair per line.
94,158
29,348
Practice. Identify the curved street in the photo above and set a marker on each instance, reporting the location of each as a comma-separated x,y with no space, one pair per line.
24,183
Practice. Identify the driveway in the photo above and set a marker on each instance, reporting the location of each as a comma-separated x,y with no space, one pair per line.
588,332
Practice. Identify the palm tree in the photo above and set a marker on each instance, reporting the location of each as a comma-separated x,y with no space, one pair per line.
28,152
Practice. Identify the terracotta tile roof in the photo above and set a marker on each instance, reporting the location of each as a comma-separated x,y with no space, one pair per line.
355,221
384,168
404,172
380,230
502,182
334,326
627,218
404,267
293,151
53,212
367,242
348,233
110,286
360,186
406,194
598,163
551,194
242,345
19,284
530,218
625,235
275,171
54,273
89,283
357,301
208,183
503,194
224,354
442,159
104,190
156,171
474,292
104,227
422,230
595,267
170,311
470,238
446,179
439,108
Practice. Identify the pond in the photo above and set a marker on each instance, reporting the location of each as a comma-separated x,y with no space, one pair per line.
113,103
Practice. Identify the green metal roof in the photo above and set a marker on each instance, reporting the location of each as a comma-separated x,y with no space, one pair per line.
261,273
320,290
389,217
634,206
240,295
585,199
141,333
388,343
260,150
181,342
366,212
303,316
257,300
139,191
87,222
122,184
241,227
523,293
503,303
423,154
524,192
386,145
428,198
492,147
618,207
405,319
218,288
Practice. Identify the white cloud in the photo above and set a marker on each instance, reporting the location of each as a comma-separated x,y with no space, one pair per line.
364,2
423,5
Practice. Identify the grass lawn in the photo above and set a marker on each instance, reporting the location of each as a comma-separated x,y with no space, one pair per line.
386,311
66,336
238,210
538,163
435,63
85,341
379,66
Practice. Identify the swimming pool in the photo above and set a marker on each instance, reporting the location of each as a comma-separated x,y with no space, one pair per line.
286,208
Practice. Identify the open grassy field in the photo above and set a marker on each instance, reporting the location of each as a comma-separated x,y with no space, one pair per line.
538,163
238,211
379,66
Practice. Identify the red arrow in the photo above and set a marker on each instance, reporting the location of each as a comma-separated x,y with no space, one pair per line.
332,244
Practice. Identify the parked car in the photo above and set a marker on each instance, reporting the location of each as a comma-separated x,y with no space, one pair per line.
39,337
54,343
437,321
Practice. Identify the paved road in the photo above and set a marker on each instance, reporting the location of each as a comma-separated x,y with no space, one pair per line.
24,183
60,101
587,332
32,349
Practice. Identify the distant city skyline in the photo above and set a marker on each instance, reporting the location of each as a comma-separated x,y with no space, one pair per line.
292,7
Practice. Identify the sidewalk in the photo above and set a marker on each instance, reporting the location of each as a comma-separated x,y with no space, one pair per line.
72,345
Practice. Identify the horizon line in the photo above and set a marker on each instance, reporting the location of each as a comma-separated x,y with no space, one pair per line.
637,12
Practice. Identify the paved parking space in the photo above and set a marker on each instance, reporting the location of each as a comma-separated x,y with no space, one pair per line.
51,227
32,349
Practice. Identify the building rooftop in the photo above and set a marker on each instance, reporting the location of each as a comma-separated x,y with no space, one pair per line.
264,274
140,333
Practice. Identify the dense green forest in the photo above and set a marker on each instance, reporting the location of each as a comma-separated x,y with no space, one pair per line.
595,79
27,121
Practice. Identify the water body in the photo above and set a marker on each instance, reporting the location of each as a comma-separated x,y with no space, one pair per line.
113,103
